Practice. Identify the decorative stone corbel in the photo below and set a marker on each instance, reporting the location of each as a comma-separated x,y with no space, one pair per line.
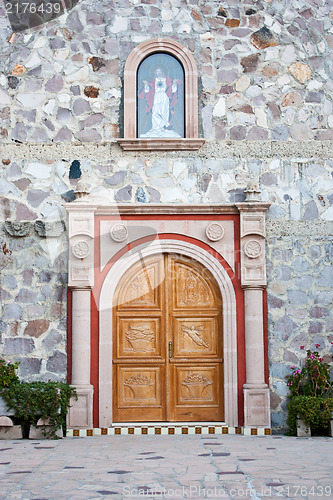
49,229
253,280
17,229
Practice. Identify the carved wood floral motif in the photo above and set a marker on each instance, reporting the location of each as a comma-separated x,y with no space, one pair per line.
196,384
140,338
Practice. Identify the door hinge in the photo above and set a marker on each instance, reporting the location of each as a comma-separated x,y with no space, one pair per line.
170,349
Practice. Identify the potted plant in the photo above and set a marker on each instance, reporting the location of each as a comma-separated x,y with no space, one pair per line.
35,401
310,401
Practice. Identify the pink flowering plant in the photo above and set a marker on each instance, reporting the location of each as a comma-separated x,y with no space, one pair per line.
313,379
8,373
310,392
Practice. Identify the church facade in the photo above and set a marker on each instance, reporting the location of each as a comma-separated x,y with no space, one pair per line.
167,209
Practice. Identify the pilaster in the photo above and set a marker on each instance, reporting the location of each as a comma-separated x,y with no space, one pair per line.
253,281
81,282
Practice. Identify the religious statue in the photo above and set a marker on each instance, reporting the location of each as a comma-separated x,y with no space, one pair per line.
163,98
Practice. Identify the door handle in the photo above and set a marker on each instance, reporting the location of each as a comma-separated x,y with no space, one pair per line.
170,349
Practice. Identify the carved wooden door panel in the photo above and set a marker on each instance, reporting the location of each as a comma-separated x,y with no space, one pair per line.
195,391
167,355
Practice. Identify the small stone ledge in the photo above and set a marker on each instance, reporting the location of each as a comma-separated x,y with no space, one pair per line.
160,144
298,228
298,150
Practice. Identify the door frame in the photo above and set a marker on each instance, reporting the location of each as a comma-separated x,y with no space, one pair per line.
227,291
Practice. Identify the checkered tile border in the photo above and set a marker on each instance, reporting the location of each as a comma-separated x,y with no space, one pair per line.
168,429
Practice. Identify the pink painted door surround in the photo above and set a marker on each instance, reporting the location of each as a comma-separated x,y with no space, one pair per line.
228,240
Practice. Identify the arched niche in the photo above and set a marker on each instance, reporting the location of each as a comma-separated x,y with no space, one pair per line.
185,58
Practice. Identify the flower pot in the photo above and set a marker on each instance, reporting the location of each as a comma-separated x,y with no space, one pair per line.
302,429
42,426
8,430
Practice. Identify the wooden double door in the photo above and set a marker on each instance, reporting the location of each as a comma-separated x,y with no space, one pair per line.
167,344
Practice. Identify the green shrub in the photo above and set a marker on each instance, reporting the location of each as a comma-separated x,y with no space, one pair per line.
34,400
310,393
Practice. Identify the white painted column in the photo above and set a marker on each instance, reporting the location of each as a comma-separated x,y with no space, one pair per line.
81,412
254,338
81,337
253,278
81,282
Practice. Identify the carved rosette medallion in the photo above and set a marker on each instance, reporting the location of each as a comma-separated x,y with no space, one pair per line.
252,249
119,233
80,249
214,231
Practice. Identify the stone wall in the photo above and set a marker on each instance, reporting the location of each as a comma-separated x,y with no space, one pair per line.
300,277
265,68
265,110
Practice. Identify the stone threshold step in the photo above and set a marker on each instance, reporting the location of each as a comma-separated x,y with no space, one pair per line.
167,429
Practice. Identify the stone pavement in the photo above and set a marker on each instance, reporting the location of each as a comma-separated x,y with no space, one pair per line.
157,467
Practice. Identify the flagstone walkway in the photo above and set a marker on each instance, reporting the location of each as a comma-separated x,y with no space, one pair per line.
158,467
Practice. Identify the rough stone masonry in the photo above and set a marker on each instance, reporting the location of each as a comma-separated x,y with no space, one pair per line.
265,110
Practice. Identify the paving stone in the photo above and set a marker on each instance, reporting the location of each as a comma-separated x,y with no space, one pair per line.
18,345
29,366
91,91
296,297
124,194
271,70
257,134
319,312
57,363
238,133
20,132
250,63
53,338
91,120
90,135
55,84
36,328
13,83
81,106
36,196
35,311
207,120
117,178
285,328
263,38
302,72
155,196
63,114
311,211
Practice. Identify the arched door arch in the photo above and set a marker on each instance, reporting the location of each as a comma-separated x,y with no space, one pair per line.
107,325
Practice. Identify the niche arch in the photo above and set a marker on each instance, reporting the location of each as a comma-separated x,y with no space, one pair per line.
184,56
